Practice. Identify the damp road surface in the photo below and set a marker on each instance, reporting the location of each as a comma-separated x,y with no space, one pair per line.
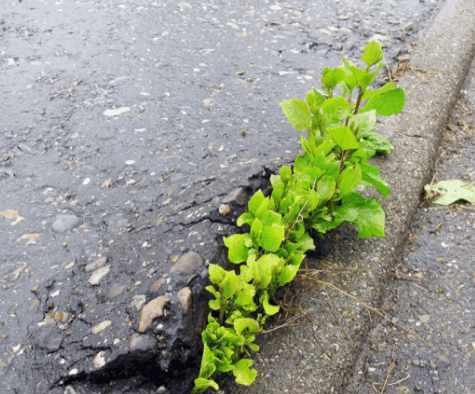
123,127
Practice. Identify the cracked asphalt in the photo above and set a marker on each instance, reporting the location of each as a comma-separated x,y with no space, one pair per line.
124,125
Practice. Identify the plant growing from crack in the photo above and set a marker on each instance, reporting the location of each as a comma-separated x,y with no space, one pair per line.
320,192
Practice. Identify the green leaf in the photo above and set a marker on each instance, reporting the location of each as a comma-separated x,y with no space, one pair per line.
332,77
278,188
271,217
243,372
357,77
245,218
287,274
450,191
256,230
215,304
298,113
272,236
297,258
269,309
257,200
251,326
245,297
285,173
314,99
365,214
374,92
202,384
387,103
349,179
237,249
335,109
263,269
343,137
230,284
326,187
207,367
363,122
216,273
371,177
372,53
376,142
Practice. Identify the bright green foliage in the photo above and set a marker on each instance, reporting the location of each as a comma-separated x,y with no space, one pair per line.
322,190
372,53
298,113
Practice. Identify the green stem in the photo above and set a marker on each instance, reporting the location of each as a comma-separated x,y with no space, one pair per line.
347,120
222,310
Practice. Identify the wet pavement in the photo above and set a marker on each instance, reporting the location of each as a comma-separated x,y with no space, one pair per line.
427,343
124,126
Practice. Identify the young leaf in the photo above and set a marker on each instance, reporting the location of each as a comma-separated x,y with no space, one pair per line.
215,304
287,274
243,372
372,53
256,230
251,326
326,188
371,177
269,309
343,137
374,92
208,366
349,179
298,113
376,142
257,200
244,218
332,77
363,122
278,188
297,258
262,270
334,110
387,103
216,273
237,249
285,173
271,237
245,296
202,384
230,284
365,214
314,100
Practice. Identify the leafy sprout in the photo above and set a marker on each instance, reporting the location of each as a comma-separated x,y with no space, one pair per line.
322,190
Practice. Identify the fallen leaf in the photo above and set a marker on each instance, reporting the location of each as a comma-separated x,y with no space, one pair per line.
30,238
450,191
11,214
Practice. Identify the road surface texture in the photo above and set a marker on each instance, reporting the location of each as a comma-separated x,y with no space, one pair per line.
427,345
124,126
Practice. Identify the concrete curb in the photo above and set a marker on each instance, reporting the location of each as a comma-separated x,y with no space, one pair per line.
318,354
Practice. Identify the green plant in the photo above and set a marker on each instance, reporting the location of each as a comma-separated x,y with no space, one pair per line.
321,191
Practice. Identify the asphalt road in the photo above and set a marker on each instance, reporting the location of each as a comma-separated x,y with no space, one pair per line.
124,124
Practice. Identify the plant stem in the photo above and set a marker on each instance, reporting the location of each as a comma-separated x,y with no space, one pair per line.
358,101
347,120
222,310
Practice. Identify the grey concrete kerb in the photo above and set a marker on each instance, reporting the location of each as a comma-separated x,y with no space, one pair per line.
317,355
